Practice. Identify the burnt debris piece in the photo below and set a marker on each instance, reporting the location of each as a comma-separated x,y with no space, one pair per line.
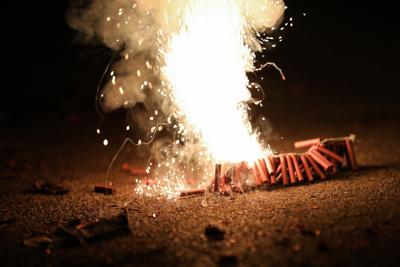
47,188
105,189
78,232
37,242
193,192
213,233
228,261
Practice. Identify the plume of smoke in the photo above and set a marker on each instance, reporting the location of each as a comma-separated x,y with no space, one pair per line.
135,28
262,14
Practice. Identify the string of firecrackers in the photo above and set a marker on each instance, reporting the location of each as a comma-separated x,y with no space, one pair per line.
323,158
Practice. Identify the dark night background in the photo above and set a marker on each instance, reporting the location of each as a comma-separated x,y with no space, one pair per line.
344,52
341,64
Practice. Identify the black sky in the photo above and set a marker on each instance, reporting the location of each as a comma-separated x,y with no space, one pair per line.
338,48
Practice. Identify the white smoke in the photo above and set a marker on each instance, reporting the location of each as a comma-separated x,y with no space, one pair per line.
141,32
135,27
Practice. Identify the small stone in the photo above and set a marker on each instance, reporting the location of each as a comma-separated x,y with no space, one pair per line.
213,233
228,261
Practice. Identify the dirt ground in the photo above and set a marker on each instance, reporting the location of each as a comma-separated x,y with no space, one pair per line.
352,219
342,77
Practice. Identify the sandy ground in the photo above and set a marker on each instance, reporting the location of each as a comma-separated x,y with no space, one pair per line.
342,77
352,219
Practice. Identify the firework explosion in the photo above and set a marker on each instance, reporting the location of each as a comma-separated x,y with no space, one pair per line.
186,62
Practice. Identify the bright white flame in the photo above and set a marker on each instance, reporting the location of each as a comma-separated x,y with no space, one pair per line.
206,64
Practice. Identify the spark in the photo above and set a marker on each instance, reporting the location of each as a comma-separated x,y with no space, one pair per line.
203,68
214,105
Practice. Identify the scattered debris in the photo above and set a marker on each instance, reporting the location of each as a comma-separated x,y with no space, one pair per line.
135,171
213,233
77,232
193,192
228,261
38,242
105,189
47,188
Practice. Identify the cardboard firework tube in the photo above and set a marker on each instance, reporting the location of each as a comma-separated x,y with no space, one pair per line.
315,166
135,171
272,179
306,168
217,177
350,153
236,177
320,159
271,168
307,143
279,169
278,177
256,175
264,167
261,171
297,168
335,166
291,169
338,140
192,192
278,172
331,154
334,162
283,167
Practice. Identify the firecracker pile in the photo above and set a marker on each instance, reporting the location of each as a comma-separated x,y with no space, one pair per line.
323,158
